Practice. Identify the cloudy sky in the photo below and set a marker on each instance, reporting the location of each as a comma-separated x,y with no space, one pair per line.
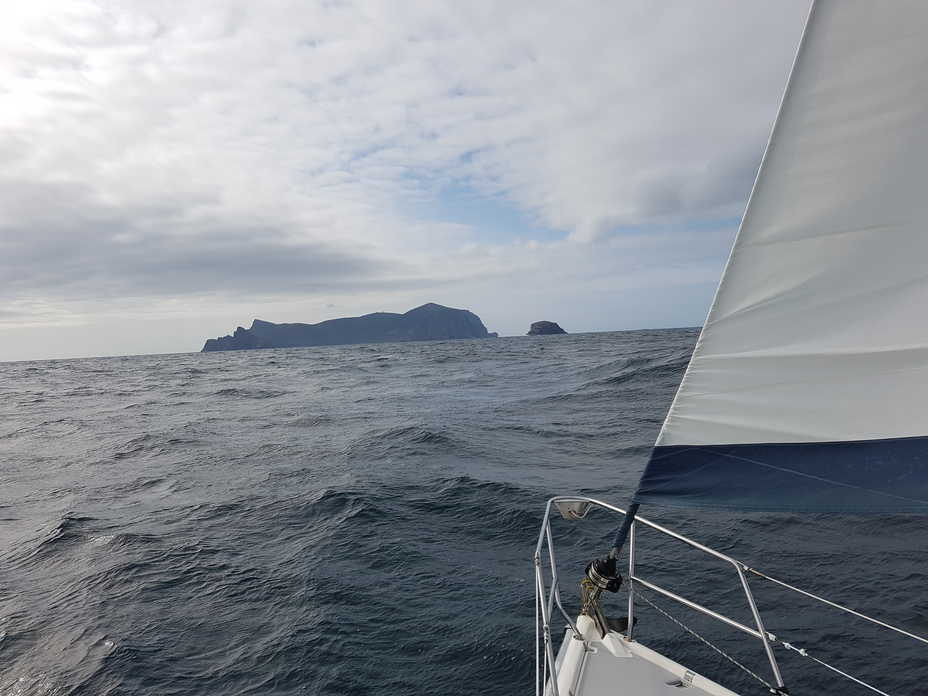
170,170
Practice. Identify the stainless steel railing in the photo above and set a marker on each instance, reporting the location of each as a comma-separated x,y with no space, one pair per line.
548,599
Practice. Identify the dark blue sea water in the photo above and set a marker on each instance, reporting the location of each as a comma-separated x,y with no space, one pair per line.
361,520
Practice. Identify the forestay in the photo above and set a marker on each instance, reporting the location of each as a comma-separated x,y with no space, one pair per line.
808,386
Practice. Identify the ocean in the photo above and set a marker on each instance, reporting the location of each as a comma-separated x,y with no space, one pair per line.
361,520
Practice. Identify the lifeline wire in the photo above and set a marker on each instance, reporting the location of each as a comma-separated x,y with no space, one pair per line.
835,605
704,640
773,639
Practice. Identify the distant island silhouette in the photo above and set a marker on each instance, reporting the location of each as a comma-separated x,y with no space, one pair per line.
545,328
430,322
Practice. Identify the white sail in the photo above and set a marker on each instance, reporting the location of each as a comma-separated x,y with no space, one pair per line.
819,330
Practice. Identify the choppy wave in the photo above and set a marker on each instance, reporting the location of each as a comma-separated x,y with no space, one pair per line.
360,519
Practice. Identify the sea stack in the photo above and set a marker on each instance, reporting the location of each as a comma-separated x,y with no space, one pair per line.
545,328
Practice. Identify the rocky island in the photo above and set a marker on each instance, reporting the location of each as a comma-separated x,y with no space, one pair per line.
545,328
430,322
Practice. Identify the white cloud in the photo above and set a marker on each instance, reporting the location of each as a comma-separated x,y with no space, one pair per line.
267,157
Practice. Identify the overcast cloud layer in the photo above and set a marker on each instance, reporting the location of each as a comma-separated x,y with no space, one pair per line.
173,169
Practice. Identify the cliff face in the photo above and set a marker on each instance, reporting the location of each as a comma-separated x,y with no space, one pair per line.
430,322
544,328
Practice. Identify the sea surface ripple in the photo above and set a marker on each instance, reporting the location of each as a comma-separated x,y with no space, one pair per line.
361,520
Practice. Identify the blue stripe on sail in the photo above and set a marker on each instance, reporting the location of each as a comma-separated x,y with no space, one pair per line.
867,476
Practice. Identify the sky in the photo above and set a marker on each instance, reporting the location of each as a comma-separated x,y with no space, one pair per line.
172,170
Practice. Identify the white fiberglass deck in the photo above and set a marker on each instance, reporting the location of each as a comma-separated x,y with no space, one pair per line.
591,664
597,666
